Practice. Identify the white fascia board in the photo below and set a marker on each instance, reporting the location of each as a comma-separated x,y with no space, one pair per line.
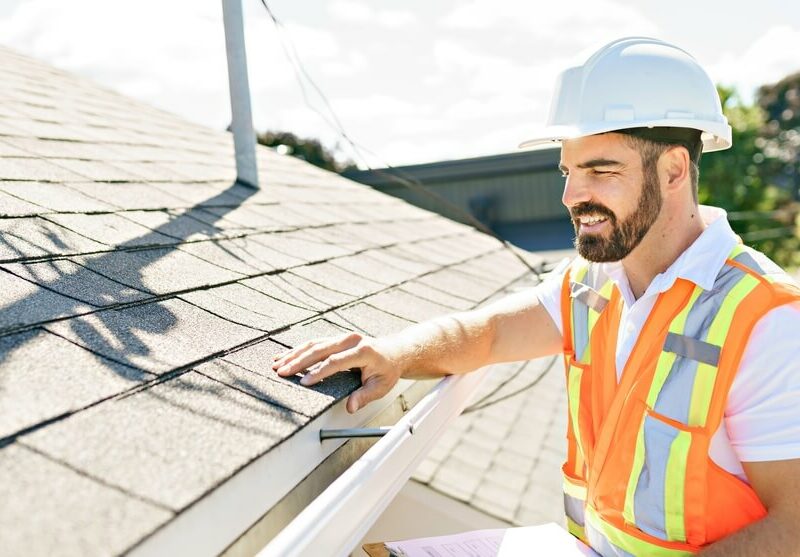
212,523
340,517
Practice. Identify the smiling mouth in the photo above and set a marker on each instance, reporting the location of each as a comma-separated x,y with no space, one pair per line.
590,223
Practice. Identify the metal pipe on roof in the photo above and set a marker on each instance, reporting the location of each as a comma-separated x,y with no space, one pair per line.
244,137
353,432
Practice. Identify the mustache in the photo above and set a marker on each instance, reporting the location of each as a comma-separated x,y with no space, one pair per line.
589,208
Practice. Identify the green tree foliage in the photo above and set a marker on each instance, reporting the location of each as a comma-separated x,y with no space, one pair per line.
749,180
309,150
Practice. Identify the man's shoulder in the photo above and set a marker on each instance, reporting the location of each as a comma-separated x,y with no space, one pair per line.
762,265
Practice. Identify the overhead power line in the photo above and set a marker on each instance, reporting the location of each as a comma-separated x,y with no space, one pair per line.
403,179
397,176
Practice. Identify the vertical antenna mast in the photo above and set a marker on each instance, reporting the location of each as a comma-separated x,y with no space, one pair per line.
244,138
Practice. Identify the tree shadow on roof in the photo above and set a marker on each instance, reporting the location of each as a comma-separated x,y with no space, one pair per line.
82,292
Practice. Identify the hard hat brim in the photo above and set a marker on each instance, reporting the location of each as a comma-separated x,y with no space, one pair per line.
716,136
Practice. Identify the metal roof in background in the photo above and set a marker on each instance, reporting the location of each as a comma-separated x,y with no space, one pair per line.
143,293
520,162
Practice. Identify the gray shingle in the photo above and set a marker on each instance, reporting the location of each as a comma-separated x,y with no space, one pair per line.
23,303
247,256
11,206
298,291
56,197
339,280
247,306
130,196
98,171
363,265
111,229
365,318
436,295
405,305
36,237
471,287
72,280
156,337
170,443
73,378
250,370
32,169
300,246
160,270
314,330
178,224
57,511
65,149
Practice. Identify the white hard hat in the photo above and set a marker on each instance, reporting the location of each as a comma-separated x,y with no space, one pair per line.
635,82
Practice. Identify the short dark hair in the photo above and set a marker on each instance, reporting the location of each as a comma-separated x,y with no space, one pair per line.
652,142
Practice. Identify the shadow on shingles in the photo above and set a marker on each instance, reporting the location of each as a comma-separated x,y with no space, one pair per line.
118,336
217,389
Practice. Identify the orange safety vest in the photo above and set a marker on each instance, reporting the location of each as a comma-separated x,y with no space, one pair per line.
638,479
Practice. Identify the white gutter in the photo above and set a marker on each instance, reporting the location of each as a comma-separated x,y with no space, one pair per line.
209,525
340,517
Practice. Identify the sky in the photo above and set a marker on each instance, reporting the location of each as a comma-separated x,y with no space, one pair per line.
412,81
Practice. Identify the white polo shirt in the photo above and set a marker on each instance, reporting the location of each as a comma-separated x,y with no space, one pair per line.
762,416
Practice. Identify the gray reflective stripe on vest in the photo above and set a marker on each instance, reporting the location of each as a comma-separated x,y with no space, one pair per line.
649,496
674,399
688,347
601,545
580,329
748,260
588,298
573,508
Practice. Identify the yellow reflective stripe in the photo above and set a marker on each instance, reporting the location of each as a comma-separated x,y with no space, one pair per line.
666,359
576,530
574,490
629,543
594,315
706,375
638,461
574,394
674,483
737,250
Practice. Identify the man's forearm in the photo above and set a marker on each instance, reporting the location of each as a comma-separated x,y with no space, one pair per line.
769,536
455,343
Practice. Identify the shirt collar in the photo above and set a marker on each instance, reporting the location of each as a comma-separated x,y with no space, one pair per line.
699,263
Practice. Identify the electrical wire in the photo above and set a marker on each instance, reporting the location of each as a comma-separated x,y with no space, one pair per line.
480,404
397,176
403,179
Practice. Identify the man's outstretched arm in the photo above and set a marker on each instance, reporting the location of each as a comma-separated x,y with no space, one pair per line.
514,328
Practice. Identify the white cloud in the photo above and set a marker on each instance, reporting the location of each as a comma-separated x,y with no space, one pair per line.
353,11
767,60
169,54
552,25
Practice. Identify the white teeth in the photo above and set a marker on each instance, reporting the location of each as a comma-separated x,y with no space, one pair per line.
591,220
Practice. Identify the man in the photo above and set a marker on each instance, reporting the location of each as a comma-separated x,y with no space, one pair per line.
683,371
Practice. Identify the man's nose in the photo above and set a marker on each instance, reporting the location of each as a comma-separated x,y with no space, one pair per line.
575,191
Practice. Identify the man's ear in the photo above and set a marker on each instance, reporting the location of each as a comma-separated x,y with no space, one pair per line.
674,167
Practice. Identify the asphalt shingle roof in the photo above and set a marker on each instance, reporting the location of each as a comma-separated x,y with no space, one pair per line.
144,291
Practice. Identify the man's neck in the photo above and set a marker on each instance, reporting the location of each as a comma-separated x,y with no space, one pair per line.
666,240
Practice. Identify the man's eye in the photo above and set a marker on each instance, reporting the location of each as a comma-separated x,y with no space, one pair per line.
600,172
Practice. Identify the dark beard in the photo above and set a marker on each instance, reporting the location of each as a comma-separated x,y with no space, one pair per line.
626,234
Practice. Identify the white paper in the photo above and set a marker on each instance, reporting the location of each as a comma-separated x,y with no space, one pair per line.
546,539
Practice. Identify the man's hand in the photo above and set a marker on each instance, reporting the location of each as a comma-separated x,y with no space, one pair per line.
514,328
380,361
